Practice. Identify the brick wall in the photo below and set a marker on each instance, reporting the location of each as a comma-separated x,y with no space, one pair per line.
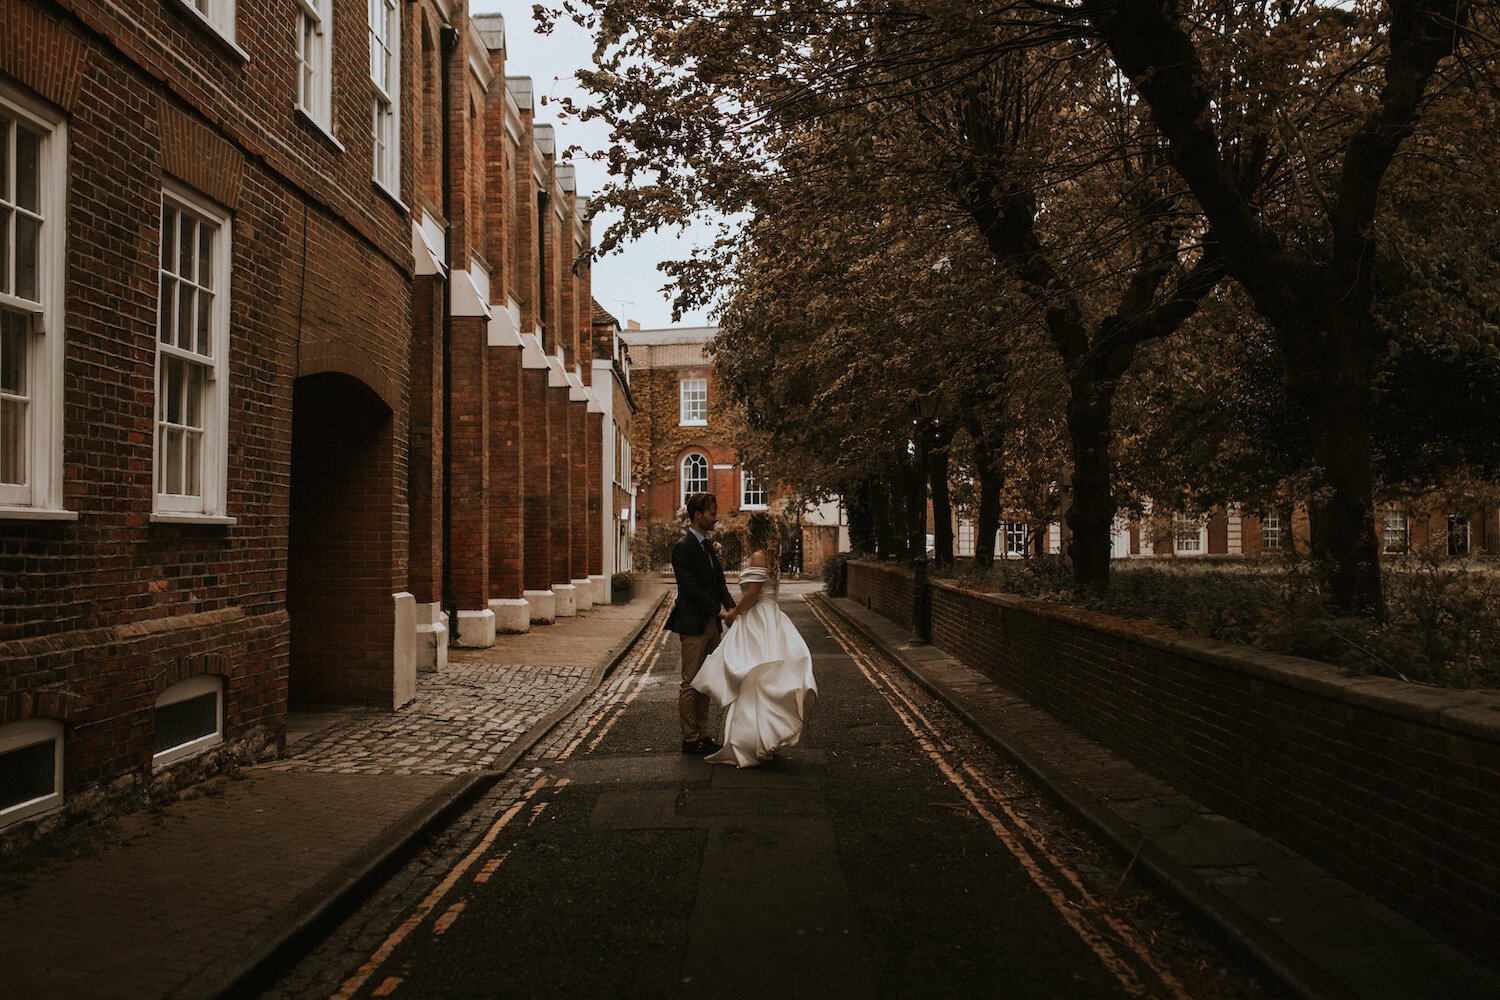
115,607
886,590
538,481
559,499
508,461
469,465
578,486
1394,787
426,444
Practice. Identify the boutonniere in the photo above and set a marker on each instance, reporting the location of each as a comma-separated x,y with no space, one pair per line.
718,550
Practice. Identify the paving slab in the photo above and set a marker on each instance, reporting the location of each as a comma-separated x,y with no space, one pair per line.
1319,935
205,895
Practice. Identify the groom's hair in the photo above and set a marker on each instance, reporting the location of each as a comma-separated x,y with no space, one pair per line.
697,502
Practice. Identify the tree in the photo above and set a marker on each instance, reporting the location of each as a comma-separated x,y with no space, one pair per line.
1235,110
1289,124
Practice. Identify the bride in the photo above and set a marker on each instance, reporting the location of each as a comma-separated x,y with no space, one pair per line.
761,673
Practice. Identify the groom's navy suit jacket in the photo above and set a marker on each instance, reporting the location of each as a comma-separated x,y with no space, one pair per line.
700,587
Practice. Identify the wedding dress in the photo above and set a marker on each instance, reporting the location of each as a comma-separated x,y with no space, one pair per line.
761,673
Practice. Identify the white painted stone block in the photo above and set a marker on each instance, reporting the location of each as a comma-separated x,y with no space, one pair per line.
404,650
511,614
543,606
567,600
583,595
601,588
432,637
476,628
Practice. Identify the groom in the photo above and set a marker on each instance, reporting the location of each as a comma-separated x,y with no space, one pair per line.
695,617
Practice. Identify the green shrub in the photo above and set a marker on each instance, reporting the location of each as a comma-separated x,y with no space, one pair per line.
622,588
836,573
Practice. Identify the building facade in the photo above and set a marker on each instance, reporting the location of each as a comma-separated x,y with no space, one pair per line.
1401,529
297,377
684,443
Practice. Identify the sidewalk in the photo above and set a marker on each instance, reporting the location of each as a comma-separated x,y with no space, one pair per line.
238,872
1317,934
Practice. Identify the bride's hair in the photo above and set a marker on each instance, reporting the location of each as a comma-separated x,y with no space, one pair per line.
764,533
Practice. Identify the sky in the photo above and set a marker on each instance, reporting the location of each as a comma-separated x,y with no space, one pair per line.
627,282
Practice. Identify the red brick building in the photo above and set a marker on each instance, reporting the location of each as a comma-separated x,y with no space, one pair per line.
296,376
682,442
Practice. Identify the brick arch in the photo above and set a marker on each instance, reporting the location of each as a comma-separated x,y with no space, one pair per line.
197,156
56,77
331,357
56,704
180,669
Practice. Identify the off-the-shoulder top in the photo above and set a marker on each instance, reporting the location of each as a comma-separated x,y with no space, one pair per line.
771,585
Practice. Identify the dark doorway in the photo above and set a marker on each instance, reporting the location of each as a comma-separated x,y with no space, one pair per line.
339,546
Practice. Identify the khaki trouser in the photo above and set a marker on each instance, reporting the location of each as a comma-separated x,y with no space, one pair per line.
692,706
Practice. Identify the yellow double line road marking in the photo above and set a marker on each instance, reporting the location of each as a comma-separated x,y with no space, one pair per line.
607,715
1104,933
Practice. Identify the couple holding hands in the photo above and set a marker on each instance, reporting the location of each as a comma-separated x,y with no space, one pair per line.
759,670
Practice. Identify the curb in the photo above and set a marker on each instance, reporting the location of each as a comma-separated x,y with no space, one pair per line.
1233,925
299,926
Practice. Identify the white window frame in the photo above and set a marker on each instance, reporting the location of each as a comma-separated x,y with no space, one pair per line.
750,485
1182,532
682,476
1395,525
385,102
210,502
692,399
28,733
40,497
963,541
1454,523
192,687
1272,533
315,62
1012,532
218,17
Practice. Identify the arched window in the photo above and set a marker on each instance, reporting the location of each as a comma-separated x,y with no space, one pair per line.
189,719
31,754
694,476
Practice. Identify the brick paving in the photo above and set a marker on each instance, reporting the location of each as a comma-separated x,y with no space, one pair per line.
182,900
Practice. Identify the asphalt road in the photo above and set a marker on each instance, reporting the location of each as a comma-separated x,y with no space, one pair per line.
889,855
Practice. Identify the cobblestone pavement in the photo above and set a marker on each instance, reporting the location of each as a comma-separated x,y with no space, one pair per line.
464,718
184,900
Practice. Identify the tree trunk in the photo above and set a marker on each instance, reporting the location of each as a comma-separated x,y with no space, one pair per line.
990,467
1337,398
860,506
942,506
880,514
916,510
1091,509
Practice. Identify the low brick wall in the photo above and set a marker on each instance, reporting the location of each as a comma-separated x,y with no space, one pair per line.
1393,786
883,588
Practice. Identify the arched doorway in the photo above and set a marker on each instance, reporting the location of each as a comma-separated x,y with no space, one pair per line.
340,546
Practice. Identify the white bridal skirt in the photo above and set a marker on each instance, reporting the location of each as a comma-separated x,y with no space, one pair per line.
761,673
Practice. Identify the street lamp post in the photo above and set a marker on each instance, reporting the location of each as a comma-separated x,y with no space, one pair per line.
925,407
